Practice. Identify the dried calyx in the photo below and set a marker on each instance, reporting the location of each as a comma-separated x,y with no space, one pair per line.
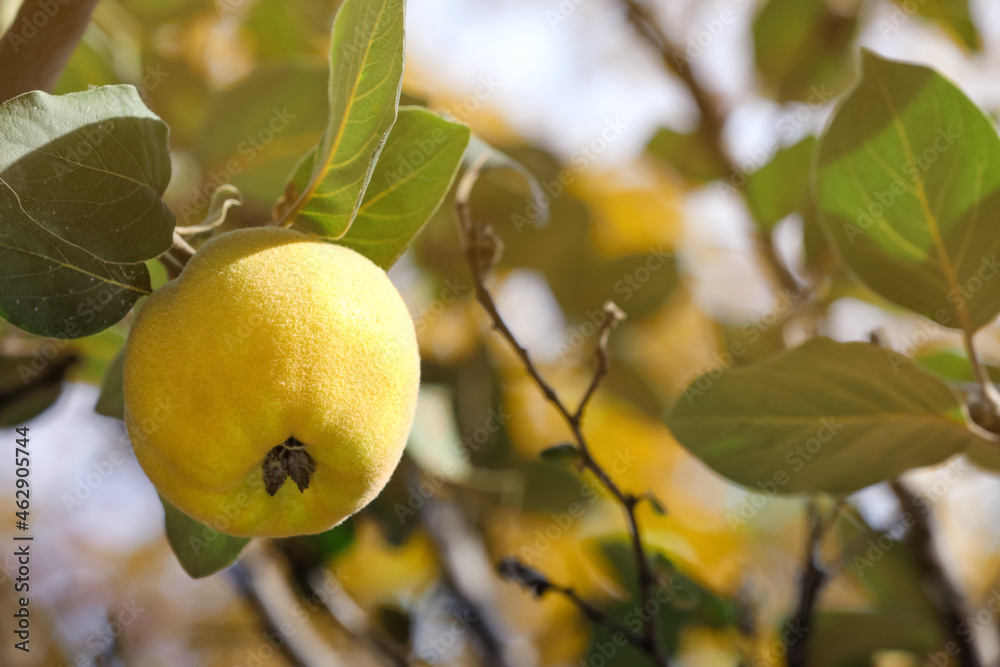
289,459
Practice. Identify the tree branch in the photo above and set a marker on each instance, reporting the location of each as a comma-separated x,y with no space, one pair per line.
943,593
37,46
811,582
514,570
713,120
482,248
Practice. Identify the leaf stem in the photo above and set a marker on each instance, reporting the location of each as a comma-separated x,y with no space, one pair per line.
985,410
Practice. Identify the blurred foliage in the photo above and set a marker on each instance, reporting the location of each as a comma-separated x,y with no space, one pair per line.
220,73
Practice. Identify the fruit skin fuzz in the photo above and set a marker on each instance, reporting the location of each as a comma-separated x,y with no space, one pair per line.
270,337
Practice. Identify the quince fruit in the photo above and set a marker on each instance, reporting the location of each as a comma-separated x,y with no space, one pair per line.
270,388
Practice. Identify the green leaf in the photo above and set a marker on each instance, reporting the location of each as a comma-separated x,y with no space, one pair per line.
801,47
781,187
498,161
81,176
412,177
823,417
366,70
201,550
952,15
254,133
560,454
693,155
111,402
908,190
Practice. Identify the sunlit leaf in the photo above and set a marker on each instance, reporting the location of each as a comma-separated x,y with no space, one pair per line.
908,183
414,172
81,176
823,417
366,69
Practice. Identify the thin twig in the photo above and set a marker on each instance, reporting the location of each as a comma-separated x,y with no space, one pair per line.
713,119
811,582
514,570
33,52
984,408
942,592
481,250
